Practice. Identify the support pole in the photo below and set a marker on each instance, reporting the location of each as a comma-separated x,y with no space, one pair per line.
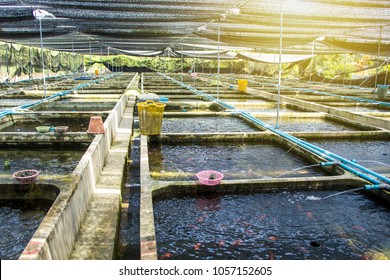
90,54
219,59
311,61
74,70
182,64
377,61
43,59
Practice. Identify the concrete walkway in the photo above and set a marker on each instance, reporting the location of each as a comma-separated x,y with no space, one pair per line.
98,234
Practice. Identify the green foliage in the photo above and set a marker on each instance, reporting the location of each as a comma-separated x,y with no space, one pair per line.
17,60
335,66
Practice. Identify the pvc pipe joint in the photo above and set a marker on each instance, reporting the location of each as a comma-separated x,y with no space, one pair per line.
377,187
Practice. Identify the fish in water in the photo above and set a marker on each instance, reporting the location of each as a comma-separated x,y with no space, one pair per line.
221,243
237,242
247,224
166,256
197,246
262,216
249,231
273,238
192,226
357,227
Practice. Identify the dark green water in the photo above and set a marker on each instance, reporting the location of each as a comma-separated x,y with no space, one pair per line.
280,225
19,219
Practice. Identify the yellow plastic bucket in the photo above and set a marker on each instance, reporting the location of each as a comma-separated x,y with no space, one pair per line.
242,84
96,71
150,116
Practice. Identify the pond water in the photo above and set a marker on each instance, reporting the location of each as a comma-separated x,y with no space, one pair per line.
19,219
206,124
129,231
75,125
280,225
48,160
374,155
312,124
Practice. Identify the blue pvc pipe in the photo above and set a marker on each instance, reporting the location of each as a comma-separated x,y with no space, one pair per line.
377,187
342,162
324,153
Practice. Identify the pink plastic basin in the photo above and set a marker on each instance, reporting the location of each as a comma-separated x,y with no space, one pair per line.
209,177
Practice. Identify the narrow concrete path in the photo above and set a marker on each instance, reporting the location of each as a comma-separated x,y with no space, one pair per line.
98,234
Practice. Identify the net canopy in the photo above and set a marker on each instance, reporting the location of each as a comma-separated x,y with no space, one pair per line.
199,27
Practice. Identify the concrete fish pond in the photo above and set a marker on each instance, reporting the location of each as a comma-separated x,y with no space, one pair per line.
249,160
48,160
205,124
271,226
75,106
302,123
189,106
22,210
77,122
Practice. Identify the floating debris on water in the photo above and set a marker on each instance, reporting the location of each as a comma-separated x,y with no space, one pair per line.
312,197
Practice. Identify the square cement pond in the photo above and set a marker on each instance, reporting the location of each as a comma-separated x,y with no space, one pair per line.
48,160
236,160
276,225
209,124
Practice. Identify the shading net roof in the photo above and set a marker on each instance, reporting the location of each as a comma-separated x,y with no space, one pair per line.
166,27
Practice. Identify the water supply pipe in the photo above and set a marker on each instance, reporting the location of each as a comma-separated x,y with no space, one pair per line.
377,187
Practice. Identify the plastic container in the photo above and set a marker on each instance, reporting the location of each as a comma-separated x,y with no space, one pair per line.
61,129
382,91
209,177
242,84
95,125
43,129
150,115
26,176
